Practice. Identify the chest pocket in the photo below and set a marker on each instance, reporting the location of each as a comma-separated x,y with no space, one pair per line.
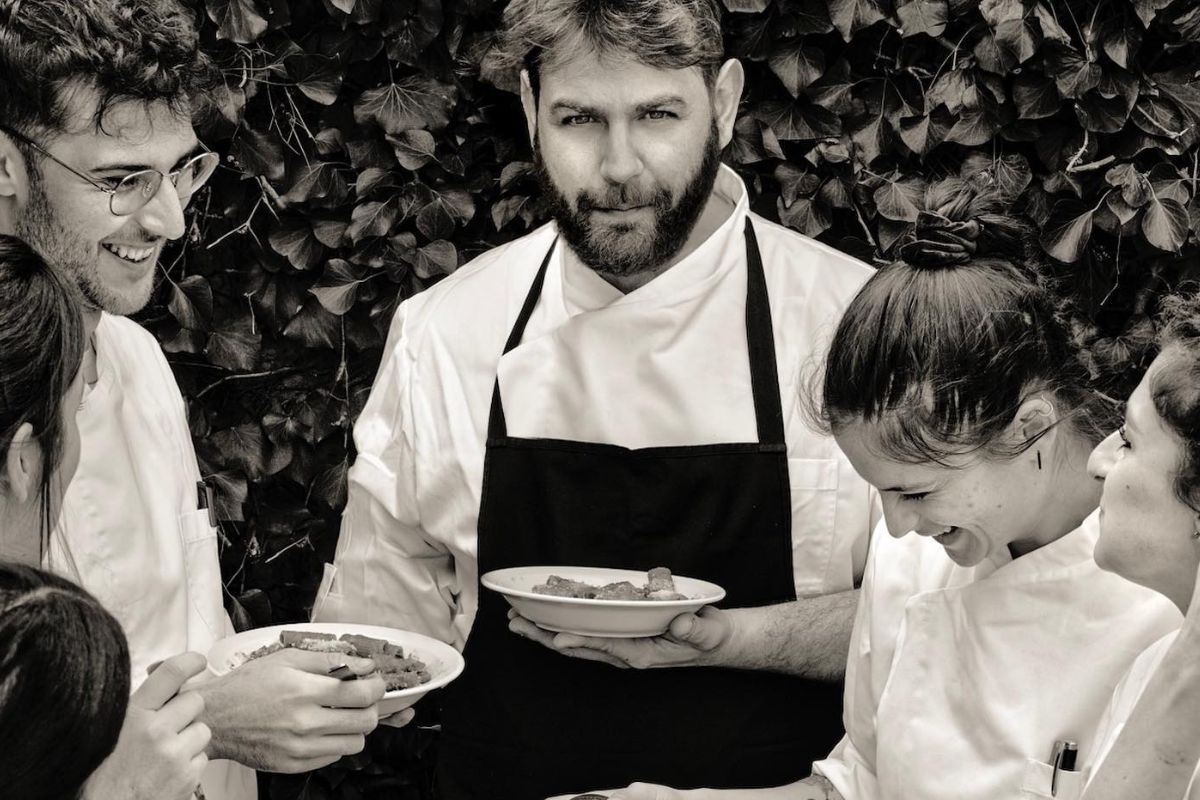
1037,782
814,488
206,612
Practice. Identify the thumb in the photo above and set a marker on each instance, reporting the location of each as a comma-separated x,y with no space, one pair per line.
165,681
704,631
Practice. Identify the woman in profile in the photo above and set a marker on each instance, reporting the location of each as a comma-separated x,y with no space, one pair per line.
68,728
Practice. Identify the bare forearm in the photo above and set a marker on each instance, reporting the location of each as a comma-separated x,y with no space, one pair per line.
809,637
1157,751
813,787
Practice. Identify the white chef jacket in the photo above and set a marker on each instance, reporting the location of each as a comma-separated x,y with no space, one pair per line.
664,365
130,531
1128,692
960,680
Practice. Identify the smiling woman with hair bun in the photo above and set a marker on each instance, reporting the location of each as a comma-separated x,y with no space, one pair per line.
957,384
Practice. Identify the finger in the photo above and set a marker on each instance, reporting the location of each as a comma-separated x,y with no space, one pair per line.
362,693
704,631
399,719
334,722
523,627
194,739
512,613
181,711
595,655
161,686
572,641
320,663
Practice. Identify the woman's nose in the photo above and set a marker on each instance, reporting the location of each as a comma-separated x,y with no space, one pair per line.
1103,456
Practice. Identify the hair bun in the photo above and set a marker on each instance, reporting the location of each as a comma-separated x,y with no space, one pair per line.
937,242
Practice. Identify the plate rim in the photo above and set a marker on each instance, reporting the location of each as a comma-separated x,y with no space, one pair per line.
488,581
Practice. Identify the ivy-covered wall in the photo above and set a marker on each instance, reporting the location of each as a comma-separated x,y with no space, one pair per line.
369,148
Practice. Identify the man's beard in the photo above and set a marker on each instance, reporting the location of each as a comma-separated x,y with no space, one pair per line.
620,250
39,226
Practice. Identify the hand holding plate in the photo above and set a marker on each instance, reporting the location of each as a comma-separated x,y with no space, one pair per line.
692,640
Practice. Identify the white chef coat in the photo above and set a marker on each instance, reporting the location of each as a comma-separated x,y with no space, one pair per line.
960,680
664,365
1128,692
130,531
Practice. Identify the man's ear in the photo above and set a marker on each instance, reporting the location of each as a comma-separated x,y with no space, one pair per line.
529,103
12,167
23,465
727,94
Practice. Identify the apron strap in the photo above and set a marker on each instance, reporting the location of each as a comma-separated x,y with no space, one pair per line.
760,339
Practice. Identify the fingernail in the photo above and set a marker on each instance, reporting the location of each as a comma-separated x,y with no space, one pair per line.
150,669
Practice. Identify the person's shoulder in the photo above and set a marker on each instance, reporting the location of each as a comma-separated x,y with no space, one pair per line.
800,260
127,338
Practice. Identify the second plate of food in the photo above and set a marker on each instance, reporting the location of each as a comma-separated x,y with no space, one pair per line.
597,601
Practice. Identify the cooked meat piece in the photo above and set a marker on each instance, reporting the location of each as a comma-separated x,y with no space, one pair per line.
266,650
665,594
622,590
564,587
325,646
365,645
659,580
660,586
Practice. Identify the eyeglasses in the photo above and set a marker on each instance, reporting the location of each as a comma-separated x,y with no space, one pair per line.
132,192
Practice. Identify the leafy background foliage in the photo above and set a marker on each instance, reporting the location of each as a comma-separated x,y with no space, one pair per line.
370,147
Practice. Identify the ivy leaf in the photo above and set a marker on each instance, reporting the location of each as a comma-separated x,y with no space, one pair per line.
436,258
337,290
795,182
851,16
192,303
1121,42
417,102
242,446
294,239
235,344
437,220
798,120
411,27
922,16
746,6
1050,28
835,90
373,179
1183,89
509,208
798,67
974,128
805,215
317,76
1166,181
373,219
1035,96
1123,212
319,181
1008,175
259,154
1102,115
1165,224
237,20
900,199
329,232
414,149
315,327
1019,39
330,487
1068,230
1158,116
231,492
1147,10
955,89
995,12
1073,73
1135,188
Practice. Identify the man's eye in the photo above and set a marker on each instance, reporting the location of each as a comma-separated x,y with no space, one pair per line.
659,114
577,119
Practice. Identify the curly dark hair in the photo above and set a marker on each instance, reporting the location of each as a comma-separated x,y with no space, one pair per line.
1175,387
945,343
126,50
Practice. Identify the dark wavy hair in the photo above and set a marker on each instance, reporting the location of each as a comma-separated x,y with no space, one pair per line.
945,344
64,684
1175,388
41,349
669,34
126,50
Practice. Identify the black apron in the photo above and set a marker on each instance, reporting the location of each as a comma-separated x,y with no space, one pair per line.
523,722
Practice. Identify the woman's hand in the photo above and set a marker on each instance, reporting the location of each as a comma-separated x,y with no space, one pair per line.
160,754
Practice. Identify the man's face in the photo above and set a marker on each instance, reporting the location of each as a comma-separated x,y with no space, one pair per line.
68,220
627,155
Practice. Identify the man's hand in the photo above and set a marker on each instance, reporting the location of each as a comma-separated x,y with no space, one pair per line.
284,713
636,791
692,640
161,751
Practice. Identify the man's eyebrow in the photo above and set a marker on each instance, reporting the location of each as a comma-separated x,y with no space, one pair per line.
640,108
195,151
579,108
659,102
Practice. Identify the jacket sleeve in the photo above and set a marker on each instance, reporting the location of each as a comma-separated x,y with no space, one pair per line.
851,765
387,569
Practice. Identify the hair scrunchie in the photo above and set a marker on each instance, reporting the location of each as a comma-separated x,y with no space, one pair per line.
936,242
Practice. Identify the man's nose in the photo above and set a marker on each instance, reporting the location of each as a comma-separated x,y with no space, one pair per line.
1103,456
621,161
163,215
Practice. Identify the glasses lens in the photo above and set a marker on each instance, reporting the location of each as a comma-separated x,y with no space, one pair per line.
134,191
193,174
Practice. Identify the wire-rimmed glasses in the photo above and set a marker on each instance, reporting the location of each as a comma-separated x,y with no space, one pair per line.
133,191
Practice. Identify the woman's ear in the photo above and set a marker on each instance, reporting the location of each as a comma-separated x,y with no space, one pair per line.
1035,419
23,465
529,105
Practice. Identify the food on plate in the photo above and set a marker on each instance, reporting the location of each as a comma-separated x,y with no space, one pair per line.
659,586
397,671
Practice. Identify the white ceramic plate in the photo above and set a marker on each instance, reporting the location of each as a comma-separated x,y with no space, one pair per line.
444,662
623,619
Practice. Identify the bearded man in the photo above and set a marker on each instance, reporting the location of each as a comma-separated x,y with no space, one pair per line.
618,388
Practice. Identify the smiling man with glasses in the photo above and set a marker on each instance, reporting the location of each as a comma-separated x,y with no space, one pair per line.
98,162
